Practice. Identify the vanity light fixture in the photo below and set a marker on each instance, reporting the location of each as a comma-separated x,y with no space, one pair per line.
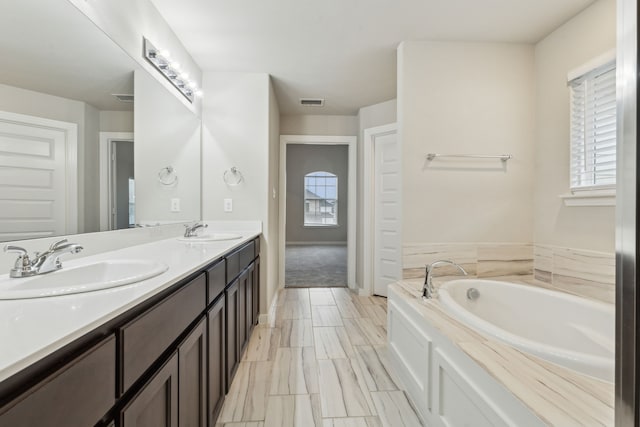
171,70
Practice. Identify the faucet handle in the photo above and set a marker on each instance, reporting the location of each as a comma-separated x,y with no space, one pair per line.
16,249
55,245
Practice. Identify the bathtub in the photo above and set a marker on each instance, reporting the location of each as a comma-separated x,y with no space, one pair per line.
563,329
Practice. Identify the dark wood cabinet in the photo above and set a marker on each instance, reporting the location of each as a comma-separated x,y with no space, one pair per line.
168,362
216,330
232,349
147,336
156,404
242,309
192,376
248,278
77,395
256,289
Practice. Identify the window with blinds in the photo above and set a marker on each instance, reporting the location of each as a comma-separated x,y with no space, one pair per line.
593,128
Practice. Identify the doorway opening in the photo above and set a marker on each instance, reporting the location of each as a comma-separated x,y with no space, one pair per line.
317,184
382,255
117,181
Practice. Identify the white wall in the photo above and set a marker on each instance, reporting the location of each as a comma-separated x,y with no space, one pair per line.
301,160
239,130
116,121
584,37
319,125
466,98
166,133
379,114
127,22
89,178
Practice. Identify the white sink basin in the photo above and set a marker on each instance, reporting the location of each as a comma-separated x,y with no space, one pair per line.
83,278
213,237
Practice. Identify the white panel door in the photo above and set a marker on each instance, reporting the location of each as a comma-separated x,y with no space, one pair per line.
387,254
37,175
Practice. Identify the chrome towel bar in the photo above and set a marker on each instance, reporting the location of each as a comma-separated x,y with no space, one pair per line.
503,157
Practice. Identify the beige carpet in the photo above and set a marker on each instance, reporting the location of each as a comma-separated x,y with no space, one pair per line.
308,266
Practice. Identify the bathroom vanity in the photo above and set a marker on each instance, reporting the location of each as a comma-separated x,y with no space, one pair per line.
162,352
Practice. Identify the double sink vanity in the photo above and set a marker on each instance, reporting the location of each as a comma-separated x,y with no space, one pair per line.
160,349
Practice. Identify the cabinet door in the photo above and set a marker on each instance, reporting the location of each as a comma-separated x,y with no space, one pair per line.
77,395
192,374
232,350
216,330
249,302
256,290
156,405
242,309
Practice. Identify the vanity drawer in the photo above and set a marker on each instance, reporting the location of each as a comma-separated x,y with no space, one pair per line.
256,247
247,254
216,280
239,260
146,337
79,394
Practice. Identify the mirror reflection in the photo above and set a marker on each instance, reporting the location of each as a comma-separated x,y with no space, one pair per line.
68,156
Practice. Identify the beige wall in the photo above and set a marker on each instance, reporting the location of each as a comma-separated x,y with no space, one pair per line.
272,247
584,37
166,133
319,125
301,160
116,121
466,98
240,130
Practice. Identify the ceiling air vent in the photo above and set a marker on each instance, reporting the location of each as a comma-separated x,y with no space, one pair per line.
312,102
123,97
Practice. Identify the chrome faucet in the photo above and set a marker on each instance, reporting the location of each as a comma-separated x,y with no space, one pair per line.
428,291
190,231
43,262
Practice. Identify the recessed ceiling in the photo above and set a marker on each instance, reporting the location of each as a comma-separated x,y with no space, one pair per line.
344,50
51,47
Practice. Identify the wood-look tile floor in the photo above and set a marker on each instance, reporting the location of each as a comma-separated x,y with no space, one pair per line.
322,362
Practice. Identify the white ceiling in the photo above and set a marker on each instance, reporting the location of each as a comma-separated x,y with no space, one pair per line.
51,47
344,50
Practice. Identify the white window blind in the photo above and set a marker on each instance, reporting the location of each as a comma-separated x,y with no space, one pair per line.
593,128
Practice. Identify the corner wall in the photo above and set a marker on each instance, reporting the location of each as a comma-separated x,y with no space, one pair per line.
318,125
586,36
466,98
240,128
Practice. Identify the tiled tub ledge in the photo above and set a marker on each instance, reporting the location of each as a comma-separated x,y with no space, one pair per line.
455,375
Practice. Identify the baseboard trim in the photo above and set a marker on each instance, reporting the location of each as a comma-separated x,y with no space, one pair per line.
270,317
315,243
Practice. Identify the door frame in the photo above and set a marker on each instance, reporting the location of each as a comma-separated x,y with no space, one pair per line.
106,175
368,202
351,142
71,159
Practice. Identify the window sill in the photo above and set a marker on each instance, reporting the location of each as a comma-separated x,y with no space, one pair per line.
590,198
322,226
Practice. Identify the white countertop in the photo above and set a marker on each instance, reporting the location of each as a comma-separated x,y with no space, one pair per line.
31,329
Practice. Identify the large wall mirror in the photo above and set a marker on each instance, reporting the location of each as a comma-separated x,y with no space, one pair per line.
81,148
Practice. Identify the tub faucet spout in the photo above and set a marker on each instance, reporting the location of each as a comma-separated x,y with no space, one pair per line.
428,291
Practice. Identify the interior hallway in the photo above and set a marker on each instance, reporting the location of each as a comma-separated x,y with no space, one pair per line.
321,362
315,266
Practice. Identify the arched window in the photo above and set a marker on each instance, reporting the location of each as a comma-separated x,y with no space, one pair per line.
320,199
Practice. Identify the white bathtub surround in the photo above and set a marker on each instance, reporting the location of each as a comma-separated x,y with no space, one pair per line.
33,329
586,273
455,374
571,331
478,259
